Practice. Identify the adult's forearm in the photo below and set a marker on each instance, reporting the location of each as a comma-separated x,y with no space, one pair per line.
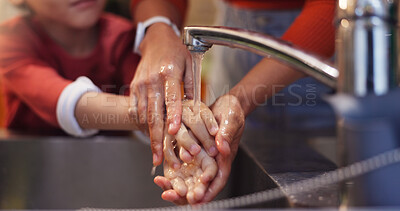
145,9
266,79
104,111
313,31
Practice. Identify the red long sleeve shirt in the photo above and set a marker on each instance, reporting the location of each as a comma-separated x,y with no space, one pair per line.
267,4
313,30
35,70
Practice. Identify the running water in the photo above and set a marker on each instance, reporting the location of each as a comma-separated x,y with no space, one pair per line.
197,58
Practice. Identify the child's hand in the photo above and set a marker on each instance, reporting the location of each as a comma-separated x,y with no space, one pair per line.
203,125
189,183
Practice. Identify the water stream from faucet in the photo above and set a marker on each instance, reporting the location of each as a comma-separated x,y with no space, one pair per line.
197,58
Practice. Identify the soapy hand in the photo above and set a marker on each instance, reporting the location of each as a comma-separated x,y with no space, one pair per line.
230,116
165,63
188,182
196,126
188,175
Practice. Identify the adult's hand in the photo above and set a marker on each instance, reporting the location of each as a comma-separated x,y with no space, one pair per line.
231,119
165,63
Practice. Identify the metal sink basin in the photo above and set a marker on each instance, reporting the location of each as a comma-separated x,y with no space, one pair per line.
102,172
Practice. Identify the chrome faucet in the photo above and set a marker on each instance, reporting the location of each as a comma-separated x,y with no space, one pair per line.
367,77
366,47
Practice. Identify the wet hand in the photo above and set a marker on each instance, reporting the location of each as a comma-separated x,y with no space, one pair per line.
230,116
188,183
197,125
203,125
231,119
165,63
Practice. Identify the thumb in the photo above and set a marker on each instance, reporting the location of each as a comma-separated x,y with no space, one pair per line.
225,135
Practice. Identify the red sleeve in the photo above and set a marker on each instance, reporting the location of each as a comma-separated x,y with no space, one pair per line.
313,30
267,4
180,5
30,79
126,61
2,105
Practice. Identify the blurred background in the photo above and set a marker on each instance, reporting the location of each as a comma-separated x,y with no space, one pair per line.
200,13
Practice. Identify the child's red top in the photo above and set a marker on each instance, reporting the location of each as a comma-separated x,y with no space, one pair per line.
35,69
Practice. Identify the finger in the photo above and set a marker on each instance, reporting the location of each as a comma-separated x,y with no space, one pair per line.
174,197
228,129
199,192
208,118
196,195
133,107
142,105
163,183
172,85
222,145
179,186
197,126
210,169
155,120
169,152
220,180
186,141
190,182
139,113
185,155
231,118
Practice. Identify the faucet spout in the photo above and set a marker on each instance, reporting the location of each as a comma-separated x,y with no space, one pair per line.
201,38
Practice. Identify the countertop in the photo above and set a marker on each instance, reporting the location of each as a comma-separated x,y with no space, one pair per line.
288,157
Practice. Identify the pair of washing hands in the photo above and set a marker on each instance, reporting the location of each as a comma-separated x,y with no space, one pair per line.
189,166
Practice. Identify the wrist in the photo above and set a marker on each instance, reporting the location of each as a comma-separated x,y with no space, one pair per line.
158,28
154,32
157,22
241,98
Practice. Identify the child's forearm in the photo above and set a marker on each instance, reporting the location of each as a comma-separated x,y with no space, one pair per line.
105,112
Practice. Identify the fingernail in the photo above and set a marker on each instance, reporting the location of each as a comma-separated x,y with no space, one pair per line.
194,149
190,197
153,170
218,142
225,146
155,159
198,194
176,166
158,147
205,179
214,130
170,126
186,157
213,151
176,120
